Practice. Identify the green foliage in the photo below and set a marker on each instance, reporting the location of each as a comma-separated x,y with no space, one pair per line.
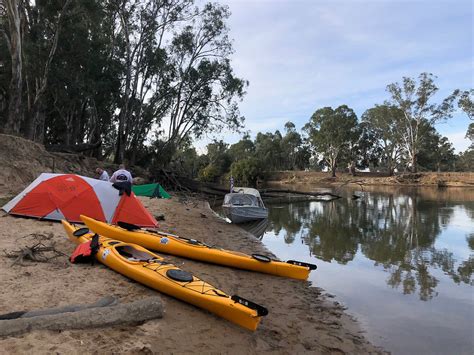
242,149
415,100
466,103
470,133
382,123
436,153
331,131
246,172
210,173
465,161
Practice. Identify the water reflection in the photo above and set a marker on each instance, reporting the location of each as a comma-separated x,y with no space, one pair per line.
257,228
397,232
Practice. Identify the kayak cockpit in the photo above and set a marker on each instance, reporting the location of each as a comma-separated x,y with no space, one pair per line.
133,254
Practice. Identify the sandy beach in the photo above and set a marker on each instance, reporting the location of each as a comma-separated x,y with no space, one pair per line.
302,319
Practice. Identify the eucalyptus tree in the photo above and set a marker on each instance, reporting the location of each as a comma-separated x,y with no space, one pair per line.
268,150
143,26
44,25
466,102
10,27
204,91
330,131
291,145
362,150
436,153
84,80
414,99
384,122
244,148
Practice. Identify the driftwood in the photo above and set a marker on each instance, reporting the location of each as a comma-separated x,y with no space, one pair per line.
316,194
38,252
76,148
103,302
121,314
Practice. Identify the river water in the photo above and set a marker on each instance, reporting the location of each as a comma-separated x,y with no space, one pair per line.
401,260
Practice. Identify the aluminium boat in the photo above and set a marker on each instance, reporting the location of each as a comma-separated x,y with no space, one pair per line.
244,204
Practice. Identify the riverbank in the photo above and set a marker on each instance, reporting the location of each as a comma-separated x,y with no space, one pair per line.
445,179
301,318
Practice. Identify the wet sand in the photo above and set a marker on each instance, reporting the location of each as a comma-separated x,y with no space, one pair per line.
302,319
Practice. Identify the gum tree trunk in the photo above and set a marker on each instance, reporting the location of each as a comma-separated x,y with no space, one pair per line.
15,112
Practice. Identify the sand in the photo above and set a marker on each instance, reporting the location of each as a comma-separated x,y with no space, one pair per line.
302,319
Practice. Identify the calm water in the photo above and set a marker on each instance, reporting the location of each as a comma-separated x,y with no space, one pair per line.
400,260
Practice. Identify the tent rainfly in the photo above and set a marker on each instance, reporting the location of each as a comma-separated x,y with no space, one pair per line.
67,196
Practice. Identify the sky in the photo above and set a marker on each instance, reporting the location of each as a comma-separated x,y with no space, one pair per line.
301,55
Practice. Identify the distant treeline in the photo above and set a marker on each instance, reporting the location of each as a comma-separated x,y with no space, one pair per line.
398,135
140,80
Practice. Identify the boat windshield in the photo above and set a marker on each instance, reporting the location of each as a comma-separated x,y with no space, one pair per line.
241,200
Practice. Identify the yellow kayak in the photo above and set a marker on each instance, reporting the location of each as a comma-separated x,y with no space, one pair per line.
141,265
194,249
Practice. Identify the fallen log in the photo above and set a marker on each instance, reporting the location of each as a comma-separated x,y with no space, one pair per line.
121,314
103,302
316,194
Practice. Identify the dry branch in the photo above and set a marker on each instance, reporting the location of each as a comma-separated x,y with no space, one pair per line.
38,252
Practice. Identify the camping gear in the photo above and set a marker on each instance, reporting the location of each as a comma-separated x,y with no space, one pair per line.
66,196
194,249
244,204
141,265
150,190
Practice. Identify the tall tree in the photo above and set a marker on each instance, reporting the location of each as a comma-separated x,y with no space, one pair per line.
384,122
143,26
14,38
242,149
466,103
330,131
436,153
44,28
205,91
268,150
291,146
414,99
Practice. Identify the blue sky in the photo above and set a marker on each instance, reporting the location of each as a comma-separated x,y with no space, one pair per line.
300,55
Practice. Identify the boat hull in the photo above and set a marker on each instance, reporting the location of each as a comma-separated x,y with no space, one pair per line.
242,214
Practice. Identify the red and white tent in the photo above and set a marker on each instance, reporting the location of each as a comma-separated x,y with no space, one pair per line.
66,196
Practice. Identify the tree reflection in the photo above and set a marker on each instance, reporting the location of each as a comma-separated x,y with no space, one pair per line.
396,232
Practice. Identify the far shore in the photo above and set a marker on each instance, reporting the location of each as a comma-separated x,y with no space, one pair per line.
435,179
